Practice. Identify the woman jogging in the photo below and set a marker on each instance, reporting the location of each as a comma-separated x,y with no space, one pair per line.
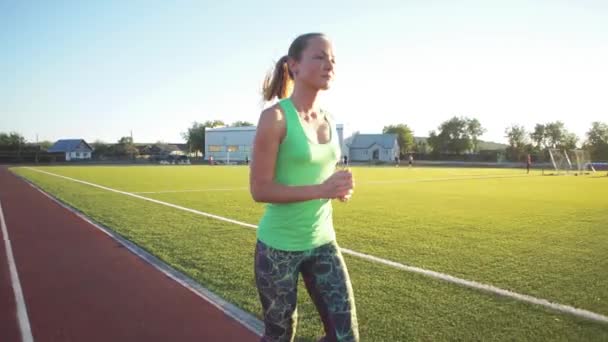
295,152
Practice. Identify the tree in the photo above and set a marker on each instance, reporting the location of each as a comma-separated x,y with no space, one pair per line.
195,136
456,135
45,145
555,133
405,137
11,141
241,124
101,149
214,123
474,130
125,147
517,137
436,143
422,147
597,134
597,141
539,136
569,141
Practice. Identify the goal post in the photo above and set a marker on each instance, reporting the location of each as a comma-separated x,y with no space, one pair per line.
561,162
566,161
582,161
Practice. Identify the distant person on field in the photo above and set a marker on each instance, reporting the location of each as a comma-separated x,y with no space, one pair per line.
528,162
396,161
411,160
345,160
293,170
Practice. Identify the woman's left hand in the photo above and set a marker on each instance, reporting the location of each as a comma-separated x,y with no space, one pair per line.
346,198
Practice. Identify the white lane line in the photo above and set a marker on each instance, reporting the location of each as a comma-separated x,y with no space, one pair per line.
437,275
181,191
22,318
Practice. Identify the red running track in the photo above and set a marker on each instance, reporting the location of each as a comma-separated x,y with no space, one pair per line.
79,284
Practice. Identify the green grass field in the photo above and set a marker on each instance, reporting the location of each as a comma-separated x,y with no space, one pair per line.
544,236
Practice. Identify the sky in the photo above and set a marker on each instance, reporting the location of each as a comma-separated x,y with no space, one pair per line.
100,69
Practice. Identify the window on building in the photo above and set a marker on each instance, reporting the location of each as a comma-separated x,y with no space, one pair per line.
215,148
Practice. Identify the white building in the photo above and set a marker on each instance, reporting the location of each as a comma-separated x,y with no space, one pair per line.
74,149
373,147
229,143
234,144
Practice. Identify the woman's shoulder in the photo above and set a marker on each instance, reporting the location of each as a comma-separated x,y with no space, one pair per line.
273,113
272,120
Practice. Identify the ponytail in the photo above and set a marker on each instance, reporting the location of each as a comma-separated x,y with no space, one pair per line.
279,82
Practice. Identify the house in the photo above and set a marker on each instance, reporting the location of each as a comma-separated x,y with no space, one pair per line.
74,149
373,147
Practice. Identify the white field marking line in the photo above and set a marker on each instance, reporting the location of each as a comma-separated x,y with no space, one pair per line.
421,180
22,318
484,287
180,191
146,198
244,318
390,181
437,275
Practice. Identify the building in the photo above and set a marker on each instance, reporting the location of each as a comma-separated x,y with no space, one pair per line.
235,144
74,149
373,147
229,144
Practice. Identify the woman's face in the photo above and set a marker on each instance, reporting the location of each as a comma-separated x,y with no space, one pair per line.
316,65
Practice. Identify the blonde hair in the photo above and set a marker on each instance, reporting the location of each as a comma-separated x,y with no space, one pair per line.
279,82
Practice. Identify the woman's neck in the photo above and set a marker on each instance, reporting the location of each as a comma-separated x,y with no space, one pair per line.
305,99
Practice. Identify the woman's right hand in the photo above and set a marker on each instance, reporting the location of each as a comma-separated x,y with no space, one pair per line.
338,185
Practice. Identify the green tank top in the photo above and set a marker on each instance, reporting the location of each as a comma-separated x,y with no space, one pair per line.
302,225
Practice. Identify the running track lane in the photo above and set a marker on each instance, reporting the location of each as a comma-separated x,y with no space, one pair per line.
81,285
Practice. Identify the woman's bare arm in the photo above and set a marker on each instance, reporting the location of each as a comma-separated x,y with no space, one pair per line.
269,133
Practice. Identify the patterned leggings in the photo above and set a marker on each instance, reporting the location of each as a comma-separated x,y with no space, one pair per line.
326,279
